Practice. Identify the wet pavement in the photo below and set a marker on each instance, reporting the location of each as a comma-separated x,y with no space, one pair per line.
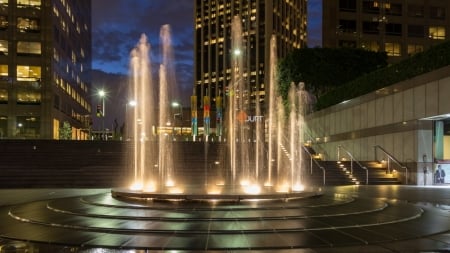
340,219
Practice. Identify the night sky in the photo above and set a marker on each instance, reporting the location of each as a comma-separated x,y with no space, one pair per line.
118,24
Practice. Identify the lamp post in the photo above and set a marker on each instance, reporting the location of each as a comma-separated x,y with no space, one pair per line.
101,94
180,113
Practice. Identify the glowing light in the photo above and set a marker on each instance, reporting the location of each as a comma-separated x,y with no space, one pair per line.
245,182
298,187
175,190
220,183
268,184
252,189
283,188
136,186
214,191
150,187
170,183
237,52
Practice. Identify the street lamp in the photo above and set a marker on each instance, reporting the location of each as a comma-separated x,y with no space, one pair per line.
180,114
102,94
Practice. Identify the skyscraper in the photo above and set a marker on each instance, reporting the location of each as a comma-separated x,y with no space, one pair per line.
45,58
286,19
399,27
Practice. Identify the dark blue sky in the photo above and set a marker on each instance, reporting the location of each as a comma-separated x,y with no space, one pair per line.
118,24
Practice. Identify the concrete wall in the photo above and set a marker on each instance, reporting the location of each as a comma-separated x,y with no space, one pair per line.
393,117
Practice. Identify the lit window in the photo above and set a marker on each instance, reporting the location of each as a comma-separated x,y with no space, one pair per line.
414,49
3,22
28,73
392,49
29,3
436,32
4,2
28,48
3,70
3,47
28,25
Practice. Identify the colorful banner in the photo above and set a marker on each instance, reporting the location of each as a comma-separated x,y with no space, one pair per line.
206,114
219,116
194,124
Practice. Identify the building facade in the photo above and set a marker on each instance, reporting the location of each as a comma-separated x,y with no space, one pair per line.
409,120
45,62
286,19
398,27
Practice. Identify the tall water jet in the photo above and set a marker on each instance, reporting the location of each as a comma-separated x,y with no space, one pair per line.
152,151
141,122
167,83
237,139
271,125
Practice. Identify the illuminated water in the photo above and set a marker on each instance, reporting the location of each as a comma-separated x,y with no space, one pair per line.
264,152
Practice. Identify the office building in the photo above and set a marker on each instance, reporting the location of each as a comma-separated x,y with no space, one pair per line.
399,27
286,19
45,58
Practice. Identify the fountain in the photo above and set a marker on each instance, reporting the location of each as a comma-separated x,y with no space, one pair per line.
262,161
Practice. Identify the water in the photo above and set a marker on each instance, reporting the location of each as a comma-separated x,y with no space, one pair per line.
152,151
264,152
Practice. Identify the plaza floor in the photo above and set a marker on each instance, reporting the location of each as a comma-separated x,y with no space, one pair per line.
338,219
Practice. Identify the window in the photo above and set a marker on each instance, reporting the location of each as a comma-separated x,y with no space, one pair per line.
3,95
436,32
29,3
347,43
28,126
371,45
417,31
3,23
394,9
4,70
370,7
28,93
414,49
347,5
28,48
3,47
437,12
28,73
392,49
416,11
370,27
28,25
394,29
3,126
347,26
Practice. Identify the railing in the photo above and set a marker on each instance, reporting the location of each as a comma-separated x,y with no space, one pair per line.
352,160
391,158
312,160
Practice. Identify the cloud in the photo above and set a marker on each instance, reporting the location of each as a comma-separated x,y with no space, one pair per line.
117,26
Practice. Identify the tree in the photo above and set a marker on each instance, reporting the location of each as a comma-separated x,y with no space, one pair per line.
65,131
323,69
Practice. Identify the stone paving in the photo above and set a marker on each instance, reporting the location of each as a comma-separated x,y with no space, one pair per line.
338,219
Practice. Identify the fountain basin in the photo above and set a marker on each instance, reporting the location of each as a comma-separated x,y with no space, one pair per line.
228,195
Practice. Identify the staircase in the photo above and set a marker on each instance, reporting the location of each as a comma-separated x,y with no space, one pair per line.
341,173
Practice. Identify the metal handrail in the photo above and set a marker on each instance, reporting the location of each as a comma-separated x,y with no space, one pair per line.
316,162
391,158
352,159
